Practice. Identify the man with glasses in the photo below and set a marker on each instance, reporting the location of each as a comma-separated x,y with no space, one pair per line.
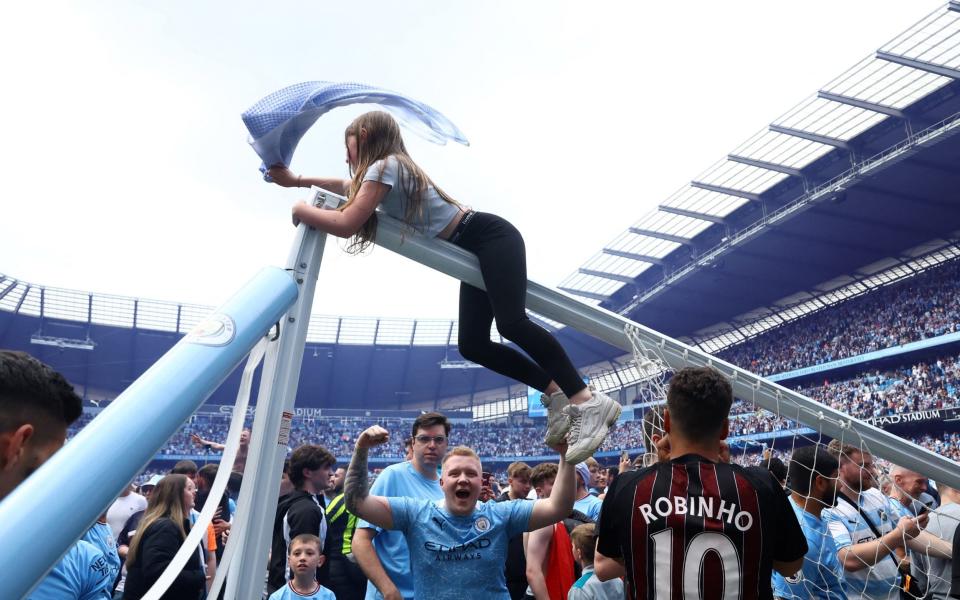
382,554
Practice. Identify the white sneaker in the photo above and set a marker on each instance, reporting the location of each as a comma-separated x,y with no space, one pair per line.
558,423
591,422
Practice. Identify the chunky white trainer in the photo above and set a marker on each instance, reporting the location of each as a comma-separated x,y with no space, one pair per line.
590,423
558,423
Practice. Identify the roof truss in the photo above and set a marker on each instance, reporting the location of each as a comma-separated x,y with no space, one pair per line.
813,137
919,64
864,104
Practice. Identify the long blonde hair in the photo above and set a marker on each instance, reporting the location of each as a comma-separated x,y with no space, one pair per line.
383,139
166,502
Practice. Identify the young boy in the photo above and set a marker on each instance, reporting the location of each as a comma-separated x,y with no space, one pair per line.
304,559
588,587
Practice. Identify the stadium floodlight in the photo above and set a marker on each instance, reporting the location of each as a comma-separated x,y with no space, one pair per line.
62,342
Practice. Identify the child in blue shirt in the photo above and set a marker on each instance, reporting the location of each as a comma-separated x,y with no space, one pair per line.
304,559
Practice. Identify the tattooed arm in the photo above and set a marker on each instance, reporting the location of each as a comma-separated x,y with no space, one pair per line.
356,487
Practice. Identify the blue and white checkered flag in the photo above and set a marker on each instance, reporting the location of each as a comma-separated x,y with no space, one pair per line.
278,121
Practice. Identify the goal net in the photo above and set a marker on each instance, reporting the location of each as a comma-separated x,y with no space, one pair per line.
888,509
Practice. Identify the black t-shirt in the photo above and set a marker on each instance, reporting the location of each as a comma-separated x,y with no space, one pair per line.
692,527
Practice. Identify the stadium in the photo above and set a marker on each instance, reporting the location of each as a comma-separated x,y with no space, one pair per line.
821,254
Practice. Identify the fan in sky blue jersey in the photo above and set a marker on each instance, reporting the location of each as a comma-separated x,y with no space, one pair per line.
82,573
38,399
813,484
457,547
867,528
101,536
304,558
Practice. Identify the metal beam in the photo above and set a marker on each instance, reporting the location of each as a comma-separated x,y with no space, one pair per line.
922,65
864,104
692,214
591,295
23,298
954,5
605,275
9,288
813,137
762,164
634,256
139,421
725,190
662,236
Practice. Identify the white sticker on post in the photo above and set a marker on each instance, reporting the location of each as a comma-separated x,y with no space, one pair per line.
285,422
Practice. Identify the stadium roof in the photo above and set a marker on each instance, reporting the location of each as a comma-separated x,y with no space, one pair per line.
860,171
852,189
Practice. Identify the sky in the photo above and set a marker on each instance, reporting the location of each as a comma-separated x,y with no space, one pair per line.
128,170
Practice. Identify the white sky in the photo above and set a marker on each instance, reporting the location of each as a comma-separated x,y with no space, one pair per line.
128,170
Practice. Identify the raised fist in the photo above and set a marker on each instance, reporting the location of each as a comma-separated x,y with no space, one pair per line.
373,436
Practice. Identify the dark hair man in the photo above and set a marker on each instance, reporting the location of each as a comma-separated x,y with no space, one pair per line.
185,467
383,555
813,487
36,407
695,523
299,511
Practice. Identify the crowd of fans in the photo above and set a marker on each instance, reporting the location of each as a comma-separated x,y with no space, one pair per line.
918,308
139,534
922,386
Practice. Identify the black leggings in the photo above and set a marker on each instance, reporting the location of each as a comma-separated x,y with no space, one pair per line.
503,264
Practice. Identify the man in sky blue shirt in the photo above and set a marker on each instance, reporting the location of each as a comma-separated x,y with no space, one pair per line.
813,487
867,528
101,536
457,546
383,555
82,574
36,406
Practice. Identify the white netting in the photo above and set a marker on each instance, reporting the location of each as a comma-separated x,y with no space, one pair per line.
911,544
653,368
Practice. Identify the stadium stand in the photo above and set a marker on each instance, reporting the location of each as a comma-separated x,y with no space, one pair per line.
918,387
921,307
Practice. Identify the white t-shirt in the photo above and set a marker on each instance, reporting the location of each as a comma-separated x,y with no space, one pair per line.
437,212
943,524
121,509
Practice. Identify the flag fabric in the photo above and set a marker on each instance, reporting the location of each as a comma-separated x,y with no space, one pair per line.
279,120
